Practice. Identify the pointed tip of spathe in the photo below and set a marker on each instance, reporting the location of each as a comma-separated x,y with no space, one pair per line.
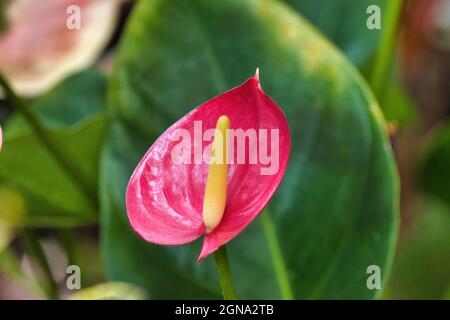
203,255
208,247
256,77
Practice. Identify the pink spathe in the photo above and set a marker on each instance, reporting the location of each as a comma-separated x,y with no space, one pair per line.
164,198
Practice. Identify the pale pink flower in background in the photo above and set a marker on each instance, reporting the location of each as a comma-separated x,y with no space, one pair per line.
37,50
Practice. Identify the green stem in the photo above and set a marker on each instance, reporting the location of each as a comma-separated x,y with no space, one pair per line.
38,253
387,46
277,258
59,154
226,280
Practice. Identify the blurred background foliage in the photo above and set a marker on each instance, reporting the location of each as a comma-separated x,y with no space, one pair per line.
406,63
342,22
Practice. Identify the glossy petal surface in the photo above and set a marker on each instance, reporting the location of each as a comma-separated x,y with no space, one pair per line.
165,199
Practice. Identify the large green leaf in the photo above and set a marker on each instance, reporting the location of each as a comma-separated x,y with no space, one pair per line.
335,212
345,23
73,114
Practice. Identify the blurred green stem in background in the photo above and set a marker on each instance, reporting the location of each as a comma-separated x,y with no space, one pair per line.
278,261
66,238
386,50
35,248
226,279
57,151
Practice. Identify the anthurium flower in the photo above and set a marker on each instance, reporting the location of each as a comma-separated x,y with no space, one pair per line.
212,172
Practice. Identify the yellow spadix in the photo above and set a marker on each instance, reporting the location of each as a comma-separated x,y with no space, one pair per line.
216,184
